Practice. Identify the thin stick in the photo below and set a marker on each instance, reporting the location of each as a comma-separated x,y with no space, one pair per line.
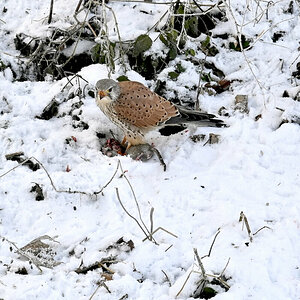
264,227
225,267
159,228
151,220
135,199
200,87
78,6
50,12
69,191
168,280
98,287
153,2
131,216
184,284
122,53
244,219
169,248
211,246
110,180
227,286
19,251
20,164
200,263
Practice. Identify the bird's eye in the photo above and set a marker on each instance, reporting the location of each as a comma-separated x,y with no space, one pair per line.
110,89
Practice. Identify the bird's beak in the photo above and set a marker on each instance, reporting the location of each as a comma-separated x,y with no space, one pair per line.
102,94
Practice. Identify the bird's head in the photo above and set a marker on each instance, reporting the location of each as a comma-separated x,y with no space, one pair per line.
107,88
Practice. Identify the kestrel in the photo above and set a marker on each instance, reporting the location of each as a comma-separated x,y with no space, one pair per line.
136,110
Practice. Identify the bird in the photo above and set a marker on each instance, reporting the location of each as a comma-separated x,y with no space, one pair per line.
136,110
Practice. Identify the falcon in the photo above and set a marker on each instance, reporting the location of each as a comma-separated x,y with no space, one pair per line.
136,110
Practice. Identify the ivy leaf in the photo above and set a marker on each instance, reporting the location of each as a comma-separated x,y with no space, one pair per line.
173,75
122,78
141,44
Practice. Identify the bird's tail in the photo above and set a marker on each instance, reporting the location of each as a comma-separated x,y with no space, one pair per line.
188,116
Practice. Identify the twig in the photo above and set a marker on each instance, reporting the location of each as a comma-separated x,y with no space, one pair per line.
211,246
264,227
135,200
186,280
106,42
169,248
168,280
200,87
151,220
200,264
217,277
159,228
69,191
50,12
221,274
122,53
96,290
131,216
80,32
100,284
106,268
182,31
78,6
110,180
19,251
153,2
244,219
203,281
239,35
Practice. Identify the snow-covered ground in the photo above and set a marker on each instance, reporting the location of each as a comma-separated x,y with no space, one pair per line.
254,169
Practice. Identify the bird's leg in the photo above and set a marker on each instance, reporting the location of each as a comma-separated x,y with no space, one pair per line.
124,141
128,146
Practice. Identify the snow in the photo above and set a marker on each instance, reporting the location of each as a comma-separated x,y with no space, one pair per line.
254,168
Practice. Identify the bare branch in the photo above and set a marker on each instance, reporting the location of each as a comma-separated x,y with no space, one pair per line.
200,264
126,211
264,227
110,180
159,228
244,219
211,246
69,191
135,200
50,12
186,280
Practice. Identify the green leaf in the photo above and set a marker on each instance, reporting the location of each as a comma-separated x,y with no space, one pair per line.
190,52
123,78
173,75
208,293
180,68
95,53
180,10
163,40
206,77
172,53
236,46
141,44
206,42
191,27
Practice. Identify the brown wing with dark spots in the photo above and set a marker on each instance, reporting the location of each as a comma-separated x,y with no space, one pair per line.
139,106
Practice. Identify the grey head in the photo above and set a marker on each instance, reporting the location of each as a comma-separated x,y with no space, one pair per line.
107,87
